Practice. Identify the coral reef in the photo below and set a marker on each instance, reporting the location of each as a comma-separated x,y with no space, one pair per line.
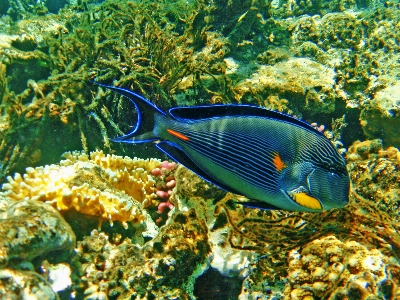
329,267
364,50
170,54
19,9
175,235
150,53
375,176
111,187
309,86
346,252
164,268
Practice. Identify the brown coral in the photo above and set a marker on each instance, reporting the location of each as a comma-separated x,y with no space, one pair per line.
163,268
330,268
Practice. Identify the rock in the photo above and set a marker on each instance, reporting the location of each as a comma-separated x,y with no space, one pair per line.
24,285
29,229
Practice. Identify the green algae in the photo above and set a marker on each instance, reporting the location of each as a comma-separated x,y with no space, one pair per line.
145,50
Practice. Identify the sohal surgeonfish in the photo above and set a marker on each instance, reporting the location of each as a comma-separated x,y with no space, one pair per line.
275,160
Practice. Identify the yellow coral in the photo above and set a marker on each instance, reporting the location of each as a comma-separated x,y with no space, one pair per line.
109,186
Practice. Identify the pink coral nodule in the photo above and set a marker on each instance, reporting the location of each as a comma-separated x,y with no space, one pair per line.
168,165
162,194
163,206
156,172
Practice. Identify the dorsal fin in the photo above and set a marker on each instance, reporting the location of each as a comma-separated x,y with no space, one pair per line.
188,113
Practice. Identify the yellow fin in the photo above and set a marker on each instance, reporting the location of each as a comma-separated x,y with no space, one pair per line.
307,201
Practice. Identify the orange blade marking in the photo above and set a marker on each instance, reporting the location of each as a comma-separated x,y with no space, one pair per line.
178,135
278,163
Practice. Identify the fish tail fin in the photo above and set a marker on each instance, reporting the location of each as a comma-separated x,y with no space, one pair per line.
146,112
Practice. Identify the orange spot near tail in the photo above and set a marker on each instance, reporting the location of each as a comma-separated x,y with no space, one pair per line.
178,135
278,163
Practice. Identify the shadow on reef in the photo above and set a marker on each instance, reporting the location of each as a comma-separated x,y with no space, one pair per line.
213,285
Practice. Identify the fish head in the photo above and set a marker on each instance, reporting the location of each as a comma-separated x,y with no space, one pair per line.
317,188
330,185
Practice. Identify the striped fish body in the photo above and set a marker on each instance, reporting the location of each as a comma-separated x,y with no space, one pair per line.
273,159
260,158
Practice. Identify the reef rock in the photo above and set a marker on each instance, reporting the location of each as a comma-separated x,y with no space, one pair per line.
380,116
308,85
24,285
29,229
375,174
166,267
329,267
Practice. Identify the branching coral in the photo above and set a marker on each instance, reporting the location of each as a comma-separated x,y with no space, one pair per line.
107,186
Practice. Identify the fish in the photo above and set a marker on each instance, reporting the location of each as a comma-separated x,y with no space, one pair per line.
271,158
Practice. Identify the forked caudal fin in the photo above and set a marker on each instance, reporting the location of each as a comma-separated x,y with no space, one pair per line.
143,130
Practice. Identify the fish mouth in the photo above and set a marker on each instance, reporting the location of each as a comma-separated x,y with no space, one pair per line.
301,197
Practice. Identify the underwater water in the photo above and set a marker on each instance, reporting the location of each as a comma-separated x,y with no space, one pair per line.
86,217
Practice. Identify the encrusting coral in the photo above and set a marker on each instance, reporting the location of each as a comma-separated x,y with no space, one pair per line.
329,267
111,187
375,176
165,268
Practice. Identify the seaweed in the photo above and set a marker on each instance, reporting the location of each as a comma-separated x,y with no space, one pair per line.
145,46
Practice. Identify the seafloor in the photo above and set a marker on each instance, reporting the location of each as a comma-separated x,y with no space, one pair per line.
85,218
